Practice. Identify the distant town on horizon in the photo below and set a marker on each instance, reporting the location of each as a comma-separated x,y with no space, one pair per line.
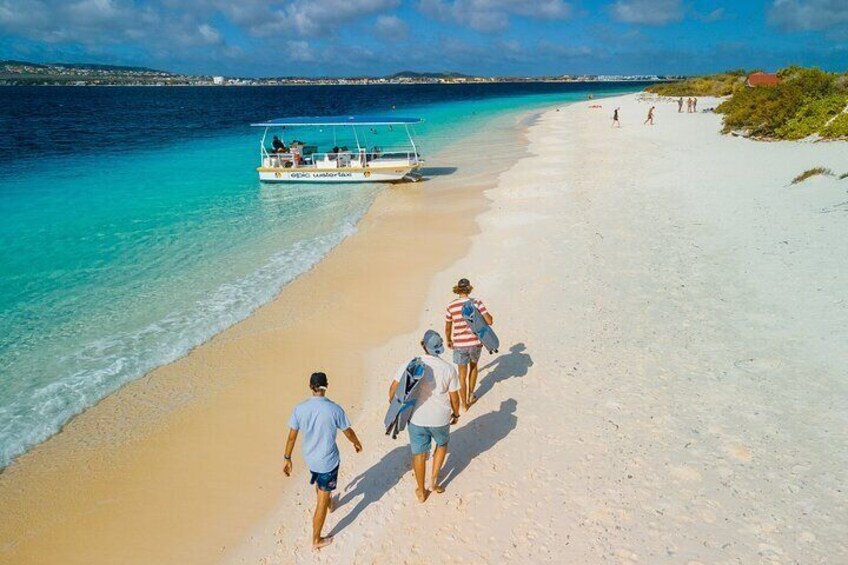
25,73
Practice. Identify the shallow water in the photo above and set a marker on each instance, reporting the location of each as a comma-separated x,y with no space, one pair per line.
134,228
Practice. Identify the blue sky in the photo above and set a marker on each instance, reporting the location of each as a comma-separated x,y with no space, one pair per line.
375,37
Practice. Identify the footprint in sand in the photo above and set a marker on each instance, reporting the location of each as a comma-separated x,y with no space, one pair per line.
708,516
807,537
626,555
739,452
685,473
459,504
757,365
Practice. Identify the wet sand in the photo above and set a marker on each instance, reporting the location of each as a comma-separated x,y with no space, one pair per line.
178,466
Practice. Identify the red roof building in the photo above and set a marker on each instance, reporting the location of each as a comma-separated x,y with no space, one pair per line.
762,79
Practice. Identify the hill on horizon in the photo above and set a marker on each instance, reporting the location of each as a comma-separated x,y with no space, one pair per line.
414,74
84,66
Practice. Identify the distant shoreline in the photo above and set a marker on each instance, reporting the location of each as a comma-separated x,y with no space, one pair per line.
23,73
342,82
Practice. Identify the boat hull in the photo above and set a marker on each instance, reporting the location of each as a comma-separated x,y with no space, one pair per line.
368,174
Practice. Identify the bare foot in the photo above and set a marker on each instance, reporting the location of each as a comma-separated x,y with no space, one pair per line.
422,495
437,488
322,542
472,401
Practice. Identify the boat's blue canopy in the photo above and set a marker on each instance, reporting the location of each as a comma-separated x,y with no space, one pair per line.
339,121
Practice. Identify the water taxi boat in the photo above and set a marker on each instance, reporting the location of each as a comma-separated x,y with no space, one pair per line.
299,161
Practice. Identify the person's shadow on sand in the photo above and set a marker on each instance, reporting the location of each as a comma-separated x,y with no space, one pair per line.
372,484
476,437
516,363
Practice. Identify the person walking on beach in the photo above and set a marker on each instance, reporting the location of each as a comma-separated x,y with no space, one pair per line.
694,105
436,409
615,122
465,344
688,105
680,105
650,120
319,418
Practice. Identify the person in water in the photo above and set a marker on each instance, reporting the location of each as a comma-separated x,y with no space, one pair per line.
650,120
464,342
319,418
615,122
436,409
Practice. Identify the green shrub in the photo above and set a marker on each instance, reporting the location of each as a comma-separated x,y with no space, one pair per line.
814,82
722,84
837,129
811,173
812,117
761,111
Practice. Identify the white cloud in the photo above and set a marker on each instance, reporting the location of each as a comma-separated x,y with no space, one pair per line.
647,12
165,22
391,28
808,15
306,18
209,34
493,15
84,21
511,50
299,51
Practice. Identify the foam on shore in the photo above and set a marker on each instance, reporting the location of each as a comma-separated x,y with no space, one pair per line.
181,463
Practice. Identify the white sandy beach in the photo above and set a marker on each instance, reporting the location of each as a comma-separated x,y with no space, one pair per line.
671,386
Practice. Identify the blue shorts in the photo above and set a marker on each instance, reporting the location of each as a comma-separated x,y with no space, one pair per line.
325,481
466,355
420,436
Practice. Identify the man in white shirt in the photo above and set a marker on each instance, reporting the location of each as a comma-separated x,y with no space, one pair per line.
436,408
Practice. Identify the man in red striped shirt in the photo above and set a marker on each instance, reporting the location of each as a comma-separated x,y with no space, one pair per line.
465,344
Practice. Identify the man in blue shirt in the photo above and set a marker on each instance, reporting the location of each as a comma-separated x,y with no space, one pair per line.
319,418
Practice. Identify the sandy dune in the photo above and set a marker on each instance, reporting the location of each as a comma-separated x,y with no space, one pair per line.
672,383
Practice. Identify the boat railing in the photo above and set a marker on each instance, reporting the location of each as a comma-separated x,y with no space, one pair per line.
342,159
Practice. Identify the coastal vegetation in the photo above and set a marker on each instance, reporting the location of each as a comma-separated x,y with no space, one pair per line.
722,84
809,173
803,102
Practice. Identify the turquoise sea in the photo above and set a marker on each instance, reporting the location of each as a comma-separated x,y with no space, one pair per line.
133,226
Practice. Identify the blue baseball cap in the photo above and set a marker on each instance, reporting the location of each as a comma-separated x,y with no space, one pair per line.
433,343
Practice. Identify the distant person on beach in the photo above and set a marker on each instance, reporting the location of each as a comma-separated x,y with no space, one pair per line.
615,122
680,105
436,409
319,418
650,120
694,104
465,344
688,105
